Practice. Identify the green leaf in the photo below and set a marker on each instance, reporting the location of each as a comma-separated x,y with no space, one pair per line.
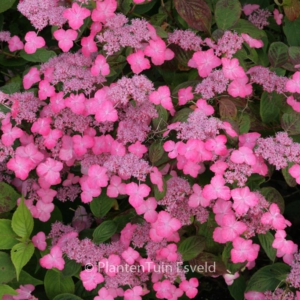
156,151
6,4
196,13
158,195
71,268
6,290
104,231
266,241
182,115
144,7
56,284
22,221
66,296
290,122
8,271
12,86
291,181
101,205
20,255
7,236
244,26
25,278
273,196
237,289
294,55
124,6
270,105
160,122
268,278
41,55
291,30
226,257
244,123
227,13
8,197
278,54
191,247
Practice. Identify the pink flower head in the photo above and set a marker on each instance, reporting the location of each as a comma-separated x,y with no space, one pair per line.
253,295
295,172
104,10
50,140
107,113
33,42
248,139
138,62
15,44
248,9
10,134
185,95
221,209
81,144
203,106
138,149
244,250
65,38
43,211
156,178
217,145
253,43
130,255
97,176
45,90
293,103
50,171
110,265
39,241
274,218
75,15
228,129
57,102
88,45
240,88
196,198
90,278
31,153
53,259
163,97
190,287
219,167
148,209
163,289
216,189
169,252
32,77
134,294
46,195
100,66
21,166
232,69
116,187
293,85
158,52
42,126
229,278
204,61
280,243
118,149
127,233
166,225
104,294
243,155
243,200
24,292
76,103
137,193
278,16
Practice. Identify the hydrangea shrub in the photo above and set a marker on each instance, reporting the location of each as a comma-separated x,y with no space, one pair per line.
149,149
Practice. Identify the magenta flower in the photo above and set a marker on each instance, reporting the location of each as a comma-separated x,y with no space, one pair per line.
232,69
148,209
243,155
240,88
185,95
90,278
33,42
100,66
244,250
15,44
107,113
65,38
138,62
53,259
190,287
104,10
137,193
39,241
216,189
104,294
130,255
196,198
134,294
165,225
243,200
75,15
50,171
274,218
42,126
32,77
163,97
21,166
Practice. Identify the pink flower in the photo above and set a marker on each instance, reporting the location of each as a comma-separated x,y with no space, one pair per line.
130,255
32,77
280,243
15,44
278,16
45,90
185,95
204,61
293,103
253,43
104,10
148,209
248,9
190,287
243,155
274,218
33,42
138,62
134,294
240,88
97,176
53,259
243,250
46,195
138,149
243,200
229,278
31,153
232,69
221,209
248,139
107,113
216,189
156,178
50,140
24,292
163,289
293,85
204,107
21,166
42,126
217,145
65,37
76,103
81,144
50,171
90,278
39,241
165,225
57,102
253,295
100,66
137,193
104,294
43,211
116,187
163,97
110,265
75,15
10,134
169,252
219,167
88,45
196,198
295,172
158,52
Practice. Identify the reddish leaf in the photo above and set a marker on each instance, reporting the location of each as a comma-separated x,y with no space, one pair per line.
292,11
196,13
227,109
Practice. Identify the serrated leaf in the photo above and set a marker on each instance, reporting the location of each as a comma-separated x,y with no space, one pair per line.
156,151
22,221
20,255
71,268
294,55
104,231
196,13
8,197
270,105
6,290
227,109
227,13
244,123
182,115
292,11
12,86
160,122
290,122
237,289
291,30
278,54
244,26
6,4
55,284
66,296
8,271
266,241
25,278
268,278
41,55
7,236
101,205
191,247
273,196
